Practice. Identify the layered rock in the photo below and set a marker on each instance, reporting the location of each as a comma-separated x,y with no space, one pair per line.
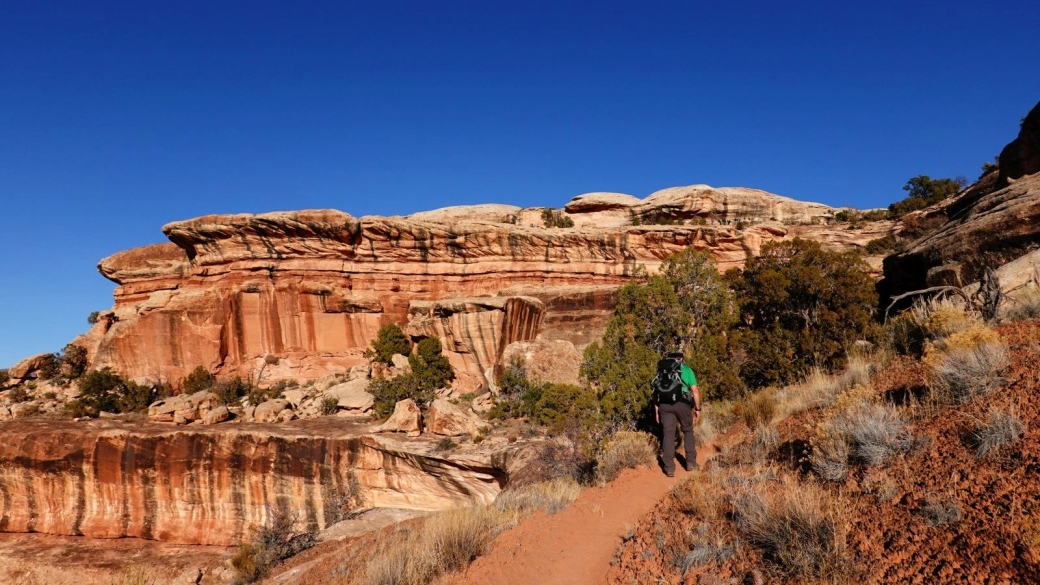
208,486
300,295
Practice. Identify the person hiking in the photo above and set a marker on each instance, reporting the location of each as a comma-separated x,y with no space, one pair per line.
676,397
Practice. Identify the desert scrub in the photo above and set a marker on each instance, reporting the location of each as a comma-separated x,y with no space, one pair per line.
1002,428
623,450
269,546
796,525
966,364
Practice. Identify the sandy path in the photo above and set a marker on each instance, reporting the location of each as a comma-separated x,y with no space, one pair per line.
575,546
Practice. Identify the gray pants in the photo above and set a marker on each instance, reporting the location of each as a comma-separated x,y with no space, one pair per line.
670,413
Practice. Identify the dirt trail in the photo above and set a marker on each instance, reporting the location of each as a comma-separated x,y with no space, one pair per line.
575,546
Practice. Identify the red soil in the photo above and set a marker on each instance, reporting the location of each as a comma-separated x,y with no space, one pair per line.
996,541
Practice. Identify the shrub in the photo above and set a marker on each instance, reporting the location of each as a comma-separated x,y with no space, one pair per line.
795,525
882,245
1003,428
198,380
330,405
390,340
625,450
271,545
555,218
73,360
800,307
232,390
938,510
966,365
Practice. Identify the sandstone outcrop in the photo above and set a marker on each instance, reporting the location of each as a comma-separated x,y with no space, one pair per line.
406,418
300,295
450,420
211,485
989,227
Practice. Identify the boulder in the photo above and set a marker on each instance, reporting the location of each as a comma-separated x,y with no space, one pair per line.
352,395
450,420
405,419
217,415
271,410
27,367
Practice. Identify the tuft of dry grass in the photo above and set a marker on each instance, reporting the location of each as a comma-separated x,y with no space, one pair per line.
624,450
939,510
1002,428
796,525
966,365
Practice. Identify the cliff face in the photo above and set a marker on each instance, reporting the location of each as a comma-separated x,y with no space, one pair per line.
111,480
302,294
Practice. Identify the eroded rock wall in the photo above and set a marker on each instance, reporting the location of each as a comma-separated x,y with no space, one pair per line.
210,487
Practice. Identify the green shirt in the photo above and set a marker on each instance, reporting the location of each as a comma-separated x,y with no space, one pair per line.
688,376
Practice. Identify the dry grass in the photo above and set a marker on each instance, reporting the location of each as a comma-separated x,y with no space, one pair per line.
449,541
624,450
966,365
939,510
759,408
1003,428
796,525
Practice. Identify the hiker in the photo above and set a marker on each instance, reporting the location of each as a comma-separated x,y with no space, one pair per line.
676,397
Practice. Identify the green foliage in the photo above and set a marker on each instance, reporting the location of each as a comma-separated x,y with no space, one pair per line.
800,307
329,405
198,380
73,360
105,390
430,370
390,340
554,218
92,318
924,191
232,390
687,305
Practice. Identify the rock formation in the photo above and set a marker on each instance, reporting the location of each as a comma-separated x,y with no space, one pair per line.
210,485
988,227
300,295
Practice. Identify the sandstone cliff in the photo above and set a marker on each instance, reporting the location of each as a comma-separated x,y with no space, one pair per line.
207,486
301,294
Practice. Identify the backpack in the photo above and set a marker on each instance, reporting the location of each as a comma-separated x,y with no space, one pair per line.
667,385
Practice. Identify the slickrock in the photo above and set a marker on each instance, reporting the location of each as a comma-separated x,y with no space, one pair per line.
450,420
406,419
300,295
211,484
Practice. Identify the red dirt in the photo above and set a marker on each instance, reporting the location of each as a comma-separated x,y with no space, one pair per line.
997,540
574,546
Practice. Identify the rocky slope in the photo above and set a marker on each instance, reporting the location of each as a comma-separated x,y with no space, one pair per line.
204,485
299,295
993,224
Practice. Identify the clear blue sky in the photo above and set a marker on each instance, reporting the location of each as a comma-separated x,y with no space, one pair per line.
117,117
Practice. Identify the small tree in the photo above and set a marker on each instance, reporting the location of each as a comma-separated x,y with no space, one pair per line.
198,380
800,307
390,340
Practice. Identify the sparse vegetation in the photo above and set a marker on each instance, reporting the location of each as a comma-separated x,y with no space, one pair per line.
1002,428
625,450
270,545
556,218
796,525
329,405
